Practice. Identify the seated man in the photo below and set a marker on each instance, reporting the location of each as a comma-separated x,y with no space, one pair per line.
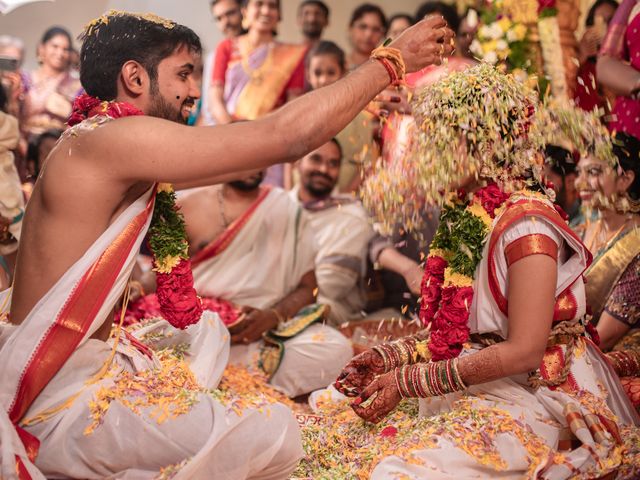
251,245
343,236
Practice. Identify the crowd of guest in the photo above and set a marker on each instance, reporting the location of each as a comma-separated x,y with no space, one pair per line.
352,268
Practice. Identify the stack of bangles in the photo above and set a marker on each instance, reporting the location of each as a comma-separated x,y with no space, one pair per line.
398,353
391,59
432,379
626,363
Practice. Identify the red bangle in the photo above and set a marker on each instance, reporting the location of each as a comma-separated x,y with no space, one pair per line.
393,75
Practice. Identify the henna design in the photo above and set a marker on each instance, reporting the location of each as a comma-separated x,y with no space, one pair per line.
359,373
380,398
481,367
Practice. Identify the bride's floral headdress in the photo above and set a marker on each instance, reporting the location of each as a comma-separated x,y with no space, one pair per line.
477,121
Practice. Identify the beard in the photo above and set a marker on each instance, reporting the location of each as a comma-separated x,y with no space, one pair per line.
312,29
319,191
249,184
161,108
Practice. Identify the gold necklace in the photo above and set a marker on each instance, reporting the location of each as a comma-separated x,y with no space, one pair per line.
256,75
595,247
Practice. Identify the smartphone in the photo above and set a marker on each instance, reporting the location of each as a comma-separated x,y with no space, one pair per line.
8,64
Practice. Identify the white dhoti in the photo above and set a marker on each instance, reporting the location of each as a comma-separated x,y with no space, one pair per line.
86,419
266,254
311,359
211,439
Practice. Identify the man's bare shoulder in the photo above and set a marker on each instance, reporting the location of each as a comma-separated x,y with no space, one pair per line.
76,161
118,133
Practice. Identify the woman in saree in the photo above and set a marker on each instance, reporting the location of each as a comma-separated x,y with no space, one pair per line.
613,279
51,88
254,74
618,67
509,383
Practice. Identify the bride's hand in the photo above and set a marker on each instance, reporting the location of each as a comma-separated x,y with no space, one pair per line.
359,373
384,396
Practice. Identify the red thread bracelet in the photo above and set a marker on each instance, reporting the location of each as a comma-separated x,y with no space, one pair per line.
393,75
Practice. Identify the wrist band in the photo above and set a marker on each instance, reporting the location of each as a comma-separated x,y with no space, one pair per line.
393,76
279,317
391,59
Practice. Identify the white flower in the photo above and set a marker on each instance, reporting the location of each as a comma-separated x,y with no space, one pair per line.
484,31
495,32
476,47
491,57
511,36
472,18
502,45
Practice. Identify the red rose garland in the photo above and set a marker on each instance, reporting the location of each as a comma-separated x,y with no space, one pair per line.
178,300
447,285
86,106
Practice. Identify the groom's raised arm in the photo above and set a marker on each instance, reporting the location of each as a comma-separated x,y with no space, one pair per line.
159,150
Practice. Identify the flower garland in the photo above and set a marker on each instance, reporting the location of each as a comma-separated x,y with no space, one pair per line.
551,48
501,38
547,8
179,303
86,106
455,252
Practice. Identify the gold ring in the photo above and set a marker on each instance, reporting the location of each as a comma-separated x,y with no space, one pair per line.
441,49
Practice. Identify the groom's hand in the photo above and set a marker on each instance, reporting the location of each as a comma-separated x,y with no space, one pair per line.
426,43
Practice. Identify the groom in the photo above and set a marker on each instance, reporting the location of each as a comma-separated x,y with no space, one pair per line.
93,204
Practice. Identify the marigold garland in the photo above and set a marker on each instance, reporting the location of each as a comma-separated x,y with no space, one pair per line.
178,300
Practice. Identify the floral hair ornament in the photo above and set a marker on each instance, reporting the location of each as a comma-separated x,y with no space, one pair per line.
564,123
478,121
95,24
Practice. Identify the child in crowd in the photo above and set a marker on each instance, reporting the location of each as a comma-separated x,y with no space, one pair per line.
326,64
